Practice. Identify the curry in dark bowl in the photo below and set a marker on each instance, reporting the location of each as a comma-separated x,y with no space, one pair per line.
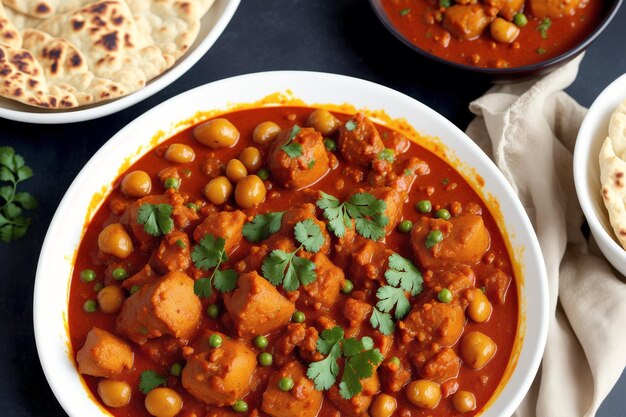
290,261
497,36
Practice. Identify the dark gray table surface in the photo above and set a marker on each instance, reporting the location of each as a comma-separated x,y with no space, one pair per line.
342,37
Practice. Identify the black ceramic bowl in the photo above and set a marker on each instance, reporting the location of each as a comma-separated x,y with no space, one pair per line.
609,9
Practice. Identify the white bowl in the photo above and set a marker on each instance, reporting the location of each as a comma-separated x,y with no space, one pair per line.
593,131
211,27
55,263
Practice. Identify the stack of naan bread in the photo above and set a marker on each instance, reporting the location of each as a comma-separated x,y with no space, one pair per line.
613,172
61,54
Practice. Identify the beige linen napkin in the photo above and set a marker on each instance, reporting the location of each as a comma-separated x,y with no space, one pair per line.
530,129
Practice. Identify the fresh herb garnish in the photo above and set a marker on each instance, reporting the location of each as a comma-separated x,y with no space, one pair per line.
149,380
311,163
543,27
360,355
181,244
287,268
408,172
402,272
366,211
210,253
293,149
262,226
404,12
156,218
350,125
540,51
13,170
387,155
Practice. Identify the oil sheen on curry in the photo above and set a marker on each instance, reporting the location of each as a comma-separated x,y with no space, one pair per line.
290,261
495,33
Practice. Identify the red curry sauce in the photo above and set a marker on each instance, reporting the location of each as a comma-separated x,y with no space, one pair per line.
420,22
443,187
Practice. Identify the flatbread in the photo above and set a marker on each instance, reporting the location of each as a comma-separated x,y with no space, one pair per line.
66,68
9,35
43,9
613,173
107,34
20,20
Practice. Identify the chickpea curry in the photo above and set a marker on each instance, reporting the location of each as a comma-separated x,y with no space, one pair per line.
495,33
290,261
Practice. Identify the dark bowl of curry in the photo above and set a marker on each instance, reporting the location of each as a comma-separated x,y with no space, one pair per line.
505,39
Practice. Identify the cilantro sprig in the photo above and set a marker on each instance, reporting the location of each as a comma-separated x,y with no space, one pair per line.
13,225
262,226
366,210
291,148
288,269
156,218
402,277
210,253
149,380
361,358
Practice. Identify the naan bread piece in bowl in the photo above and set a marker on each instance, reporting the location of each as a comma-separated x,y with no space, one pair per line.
9,34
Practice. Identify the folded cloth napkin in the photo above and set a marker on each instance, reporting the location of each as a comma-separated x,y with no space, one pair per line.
529,128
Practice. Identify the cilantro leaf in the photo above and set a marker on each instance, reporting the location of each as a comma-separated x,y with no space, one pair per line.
12,204
324,373
309,235
382,322
149,380
156,218
210,253
387,155
330,337
225,280
361,358
543,27
202,287
293,149
366,210
405,274
273,267
350,125
390,297
262,226
350,384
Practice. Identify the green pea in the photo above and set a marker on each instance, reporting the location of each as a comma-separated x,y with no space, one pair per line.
285,384
172,183
98,286
215,340
240,406
442,214
265,359
176,369
520,20
88,275
263,173
445,3
90,306
119,274
405,226
260,342
445,295
134,289
193,206
433,238
424,206
213,311
395,360
298,317
348,286
330,144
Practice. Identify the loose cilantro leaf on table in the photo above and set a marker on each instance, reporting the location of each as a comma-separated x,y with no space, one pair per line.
149,380
288,269
156,218
210,253
13,224
262,226
293,149
366,210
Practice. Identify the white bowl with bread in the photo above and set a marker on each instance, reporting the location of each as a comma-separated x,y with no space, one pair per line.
77,60
600,171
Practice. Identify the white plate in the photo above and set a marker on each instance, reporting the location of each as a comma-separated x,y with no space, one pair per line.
212,26
55,263
591,135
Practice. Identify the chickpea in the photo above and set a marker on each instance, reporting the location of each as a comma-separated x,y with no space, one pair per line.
503,31
216,133
110,299
383,406
179,153
464,401
235,170
136,184
163,402
265,132
323,121
114,394
115,241
218,190
479,309
424,393
477,349
251,158
250,191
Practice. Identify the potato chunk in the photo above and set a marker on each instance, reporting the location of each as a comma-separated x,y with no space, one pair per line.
303,400
225,224
434,322
468,22
103,355
359,141
554,8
